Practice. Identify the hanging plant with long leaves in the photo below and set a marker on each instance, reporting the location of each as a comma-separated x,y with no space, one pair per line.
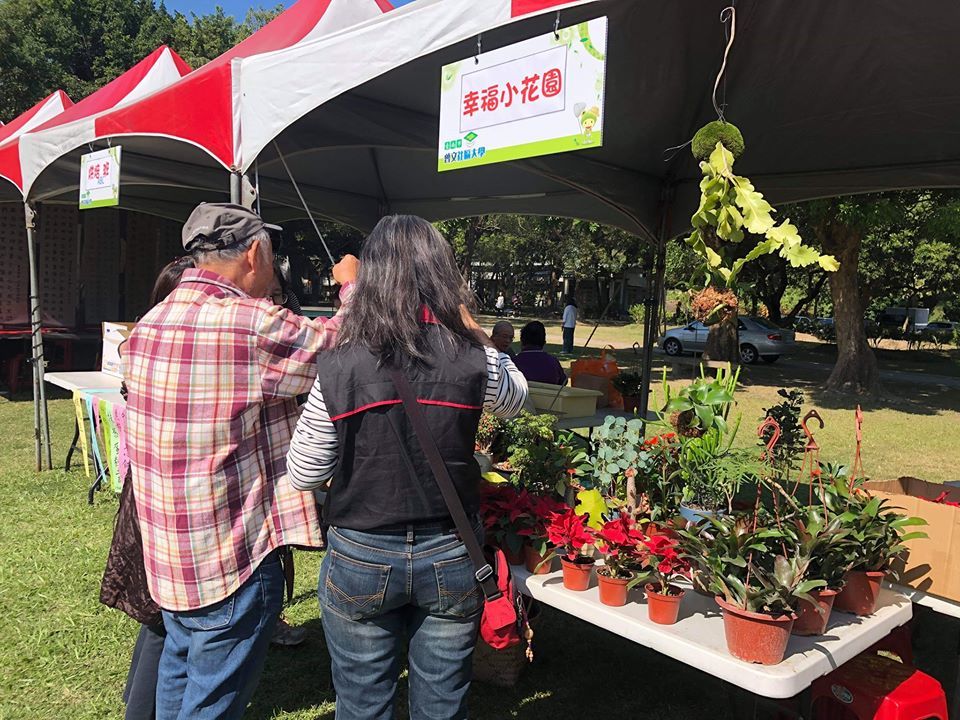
732,210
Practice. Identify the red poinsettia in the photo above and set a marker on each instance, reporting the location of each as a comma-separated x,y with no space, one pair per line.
662,559
568,532
619,540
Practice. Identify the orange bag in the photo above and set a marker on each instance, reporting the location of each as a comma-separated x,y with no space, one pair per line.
604,367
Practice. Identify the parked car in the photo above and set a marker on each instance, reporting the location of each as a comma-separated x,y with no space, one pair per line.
944,328
759,338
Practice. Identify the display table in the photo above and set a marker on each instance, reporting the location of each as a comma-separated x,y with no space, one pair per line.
597,419
92,386
698,637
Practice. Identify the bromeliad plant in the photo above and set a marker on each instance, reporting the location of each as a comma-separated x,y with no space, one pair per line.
751,564
872,523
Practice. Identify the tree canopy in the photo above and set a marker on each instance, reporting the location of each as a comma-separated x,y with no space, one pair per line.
80,45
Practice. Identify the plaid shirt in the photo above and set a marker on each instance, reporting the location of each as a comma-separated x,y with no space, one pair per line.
212,375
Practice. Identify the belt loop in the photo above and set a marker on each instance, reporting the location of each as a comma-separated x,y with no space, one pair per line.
410,535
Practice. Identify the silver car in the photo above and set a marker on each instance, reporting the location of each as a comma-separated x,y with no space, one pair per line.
759,338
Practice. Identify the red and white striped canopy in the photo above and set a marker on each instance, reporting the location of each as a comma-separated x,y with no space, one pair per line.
48,108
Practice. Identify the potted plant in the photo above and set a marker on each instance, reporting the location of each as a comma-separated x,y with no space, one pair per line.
538,557
877,530
536,458
488,432
630,385
569,535
758,580
702,405
615,458
507,516
831,551
618,541
664,563
711,473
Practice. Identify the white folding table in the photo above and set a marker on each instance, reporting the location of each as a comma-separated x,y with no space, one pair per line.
94,384
698,640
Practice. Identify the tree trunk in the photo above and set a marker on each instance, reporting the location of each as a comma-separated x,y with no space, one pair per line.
723,342
470,237
856,370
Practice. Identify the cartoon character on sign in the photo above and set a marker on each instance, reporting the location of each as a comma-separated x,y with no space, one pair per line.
588,117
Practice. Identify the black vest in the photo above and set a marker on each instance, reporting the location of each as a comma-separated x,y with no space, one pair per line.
383,477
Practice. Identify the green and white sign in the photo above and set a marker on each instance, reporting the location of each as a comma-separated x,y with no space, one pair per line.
100,179
537,97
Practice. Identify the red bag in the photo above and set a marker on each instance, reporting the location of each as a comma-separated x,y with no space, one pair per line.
499,625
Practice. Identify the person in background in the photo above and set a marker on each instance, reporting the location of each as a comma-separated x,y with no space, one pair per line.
500,304
569,323
502,336
533,361
516,303
208,457
396,579
140,692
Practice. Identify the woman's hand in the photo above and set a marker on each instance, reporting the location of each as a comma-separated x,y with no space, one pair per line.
346,270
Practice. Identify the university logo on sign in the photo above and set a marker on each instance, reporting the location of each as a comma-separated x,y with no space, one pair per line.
537,97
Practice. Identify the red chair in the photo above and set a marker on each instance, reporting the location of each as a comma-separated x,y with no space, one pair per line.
871,687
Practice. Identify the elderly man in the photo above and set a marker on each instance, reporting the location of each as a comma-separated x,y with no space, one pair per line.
502,337
212,373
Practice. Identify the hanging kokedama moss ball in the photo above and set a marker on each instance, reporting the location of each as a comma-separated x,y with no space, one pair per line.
707,137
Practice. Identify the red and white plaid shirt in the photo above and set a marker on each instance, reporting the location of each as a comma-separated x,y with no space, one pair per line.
212,376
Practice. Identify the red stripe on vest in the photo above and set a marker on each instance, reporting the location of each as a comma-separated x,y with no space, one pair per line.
382,403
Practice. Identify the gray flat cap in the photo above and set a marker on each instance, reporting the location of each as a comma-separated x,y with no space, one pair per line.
216,226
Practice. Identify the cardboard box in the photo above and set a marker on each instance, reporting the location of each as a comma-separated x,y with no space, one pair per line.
932,564
114,334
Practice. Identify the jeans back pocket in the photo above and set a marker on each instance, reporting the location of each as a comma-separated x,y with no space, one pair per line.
352,588
214,617
458,590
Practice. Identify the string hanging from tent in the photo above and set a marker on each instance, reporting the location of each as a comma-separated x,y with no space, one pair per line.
304,203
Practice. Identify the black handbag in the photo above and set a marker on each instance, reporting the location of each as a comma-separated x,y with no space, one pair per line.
124,584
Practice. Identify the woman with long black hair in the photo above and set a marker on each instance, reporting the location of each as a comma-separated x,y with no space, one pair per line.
396,574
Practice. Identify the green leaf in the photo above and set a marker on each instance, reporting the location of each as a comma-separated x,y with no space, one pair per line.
757,216
721,162
800,255
591,502
829,263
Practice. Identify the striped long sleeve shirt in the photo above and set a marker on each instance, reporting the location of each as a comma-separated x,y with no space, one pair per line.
314,450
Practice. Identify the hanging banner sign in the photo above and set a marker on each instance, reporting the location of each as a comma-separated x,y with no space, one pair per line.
537,97
100,179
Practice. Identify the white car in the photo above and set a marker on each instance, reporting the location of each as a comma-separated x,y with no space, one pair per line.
759,338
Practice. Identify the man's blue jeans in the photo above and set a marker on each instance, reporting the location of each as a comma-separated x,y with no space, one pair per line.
212,657
381,591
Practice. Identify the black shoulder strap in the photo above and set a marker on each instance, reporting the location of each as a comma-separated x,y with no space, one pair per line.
484,573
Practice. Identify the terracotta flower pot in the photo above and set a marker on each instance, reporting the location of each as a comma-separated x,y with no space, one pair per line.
532,560
812,620
515,558
663,609
631,403
859,595
755,637
576,575
613,591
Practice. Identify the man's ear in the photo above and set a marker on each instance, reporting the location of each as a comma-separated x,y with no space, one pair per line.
252,254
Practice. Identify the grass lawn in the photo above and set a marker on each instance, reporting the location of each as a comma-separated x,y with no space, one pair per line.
64,655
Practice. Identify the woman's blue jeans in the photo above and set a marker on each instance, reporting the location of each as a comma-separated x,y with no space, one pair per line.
383,591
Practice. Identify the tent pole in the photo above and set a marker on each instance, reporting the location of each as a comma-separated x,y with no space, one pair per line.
41,421
236,185
655,291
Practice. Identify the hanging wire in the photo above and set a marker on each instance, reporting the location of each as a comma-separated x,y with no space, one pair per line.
476,58
304,203
556,27
727,14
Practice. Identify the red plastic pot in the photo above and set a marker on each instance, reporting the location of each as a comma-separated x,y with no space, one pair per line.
613,591
860,593
631,403
663,609
755,637
532,561
812,620
576,575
